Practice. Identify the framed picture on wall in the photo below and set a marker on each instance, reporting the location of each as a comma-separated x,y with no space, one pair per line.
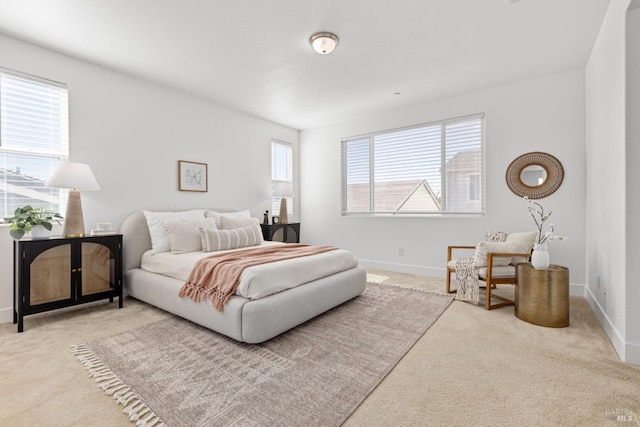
192,176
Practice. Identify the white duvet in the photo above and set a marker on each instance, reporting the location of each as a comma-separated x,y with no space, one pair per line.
261,280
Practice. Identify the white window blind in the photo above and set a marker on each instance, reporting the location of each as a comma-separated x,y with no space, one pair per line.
281,172
34,139
433,168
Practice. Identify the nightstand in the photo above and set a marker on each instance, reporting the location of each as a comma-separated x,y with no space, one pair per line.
59,272
288,233
542,296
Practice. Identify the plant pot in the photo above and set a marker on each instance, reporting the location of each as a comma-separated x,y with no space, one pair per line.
540,256
39,232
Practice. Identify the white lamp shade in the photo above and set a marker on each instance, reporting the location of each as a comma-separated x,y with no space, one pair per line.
77,176
283,189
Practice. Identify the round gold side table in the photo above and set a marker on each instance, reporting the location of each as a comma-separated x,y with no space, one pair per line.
542,296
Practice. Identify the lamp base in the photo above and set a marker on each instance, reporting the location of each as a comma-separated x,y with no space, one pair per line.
283,211
73,220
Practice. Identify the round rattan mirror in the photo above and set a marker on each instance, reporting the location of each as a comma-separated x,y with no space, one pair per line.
535,175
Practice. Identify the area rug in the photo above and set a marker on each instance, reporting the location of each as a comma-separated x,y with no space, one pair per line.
175,373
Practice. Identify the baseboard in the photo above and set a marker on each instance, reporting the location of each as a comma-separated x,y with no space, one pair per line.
6,315
627,352
632,353
577,290
402,268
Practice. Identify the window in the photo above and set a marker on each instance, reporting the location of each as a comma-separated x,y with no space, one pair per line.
281,173
433,168
34,139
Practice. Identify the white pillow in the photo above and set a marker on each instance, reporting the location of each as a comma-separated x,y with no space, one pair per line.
524,243
184,236
217,215
229,223
484,248
218,240
159,239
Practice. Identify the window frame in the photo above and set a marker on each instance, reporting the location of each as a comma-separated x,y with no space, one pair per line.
481,172
56,153
275,200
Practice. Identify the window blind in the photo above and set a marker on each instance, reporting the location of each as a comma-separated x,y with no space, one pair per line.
34,139
433,168
281,171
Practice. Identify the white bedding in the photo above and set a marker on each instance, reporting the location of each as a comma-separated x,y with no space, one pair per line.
260,280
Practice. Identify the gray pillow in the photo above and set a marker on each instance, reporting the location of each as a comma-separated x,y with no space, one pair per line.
184,236
230,223
484,248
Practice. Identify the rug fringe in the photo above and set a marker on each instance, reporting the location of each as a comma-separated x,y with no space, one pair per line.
133,405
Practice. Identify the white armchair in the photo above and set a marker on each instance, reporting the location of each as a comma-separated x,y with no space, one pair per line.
494,262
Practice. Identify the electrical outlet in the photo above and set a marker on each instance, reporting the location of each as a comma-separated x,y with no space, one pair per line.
400,251
598,282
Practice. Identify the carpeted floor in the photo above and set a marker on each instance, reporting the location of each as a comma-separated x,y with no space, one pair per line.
472,367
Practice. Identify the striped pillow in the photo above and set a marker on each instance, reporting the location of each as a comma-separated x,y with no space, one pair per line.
218,240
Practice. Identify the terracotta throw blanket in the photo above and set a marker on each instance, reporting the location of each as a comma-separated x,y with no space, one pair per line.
217,277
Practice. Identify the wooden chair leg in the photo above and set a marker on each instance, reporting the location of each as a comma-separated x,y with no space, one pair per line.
448,288
487,295
503,301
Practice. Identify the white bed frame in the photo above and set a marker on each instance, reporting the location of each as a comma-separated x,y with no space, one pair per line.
251,321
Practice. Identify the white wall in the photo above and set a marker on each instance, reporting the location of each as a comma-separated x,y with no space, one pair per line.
544,114
132,133
633,178
611,219
606,168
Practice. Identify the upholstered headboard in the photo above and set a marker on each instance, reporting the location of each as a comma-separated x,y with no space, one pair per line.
136,239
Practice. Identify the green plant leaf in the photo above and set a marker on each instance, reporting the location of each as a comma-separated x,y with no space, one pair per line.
26,217
17,233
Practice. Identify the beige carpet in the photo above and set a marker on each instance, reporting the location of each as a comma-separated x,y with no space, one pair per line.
314,375
473,367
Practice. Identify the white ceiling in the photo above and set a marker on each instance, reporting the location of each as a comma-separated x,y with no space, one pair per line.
254,55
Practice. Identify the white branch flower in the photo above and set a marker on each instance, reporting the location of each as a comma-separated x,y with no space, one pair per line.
539,218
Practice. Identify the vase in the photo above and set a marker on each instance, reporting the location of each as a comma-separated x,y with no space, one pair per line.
39,232
540,256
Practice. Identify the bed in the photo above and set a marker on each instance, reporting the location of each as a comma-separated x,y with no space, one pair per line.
248,316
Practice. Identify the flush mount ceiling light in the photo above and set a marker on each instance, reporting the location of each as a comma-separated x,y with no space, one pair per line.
324,42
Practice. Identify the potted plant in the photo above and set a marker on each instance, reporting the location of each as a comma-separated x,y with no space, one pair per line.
24,219
540,255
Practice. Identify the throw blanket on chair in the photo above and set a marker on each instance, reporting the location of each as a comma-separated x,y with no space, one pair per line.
217,277
467,283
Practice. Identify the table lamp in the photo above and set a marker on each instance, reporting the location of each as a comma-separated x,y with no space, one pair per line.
283,189
75,176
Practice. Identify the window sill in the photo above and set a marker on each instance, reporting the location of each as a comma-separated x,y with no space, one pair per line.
425,215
